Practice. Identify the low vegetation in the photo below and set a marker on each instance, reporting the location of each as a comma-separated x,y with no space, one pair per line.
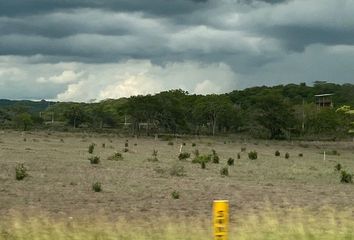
253,155
21,171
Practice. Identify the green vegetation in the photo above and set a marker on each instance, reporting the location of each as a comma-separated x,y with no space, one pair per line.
175,195
346,177
224,171
21,172
277,153
184,156
91,148
116,157
253,155
279,112
231,162
287,155
94,160
177,170
97,187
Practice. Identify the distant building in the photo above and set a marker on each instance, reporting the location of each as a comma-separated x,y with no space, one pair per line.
324,100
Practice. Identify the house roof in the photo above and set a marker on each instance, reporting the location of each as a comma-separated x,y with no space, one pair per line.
324,95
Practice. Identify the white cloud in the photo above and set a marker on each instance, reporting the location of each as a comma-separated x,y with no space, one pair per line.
67,76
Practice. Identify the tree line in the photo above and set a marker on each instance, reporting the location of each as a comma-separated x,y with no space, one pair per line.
277,112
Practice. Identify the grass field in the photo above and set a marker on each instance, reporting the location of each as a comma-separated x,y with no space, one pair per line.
270,196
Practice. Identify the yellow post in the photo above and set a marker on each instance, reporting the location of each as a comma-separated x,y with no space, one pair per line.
221,219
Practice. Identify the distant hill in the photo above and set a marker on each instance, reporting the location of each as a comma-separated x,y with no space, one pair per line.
32,106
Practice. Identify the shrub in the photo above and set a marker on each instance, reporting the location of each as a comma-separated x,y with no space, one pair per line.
126,144
338,167
277,153
346,177
91,148
177,170
243,149
21,172
115,157
154,153
287,155
103,145
175,195
238,155
196,153
159,170
193,144
203,165
94,160
61,140
202,158
154,156
184,156
301,154
170,143
97,187
230,161
184,144
125,150
253,155
25,139
224,171
215,157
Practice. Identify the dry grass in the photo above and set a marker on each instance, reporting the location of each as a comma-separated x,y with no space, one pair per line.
60,177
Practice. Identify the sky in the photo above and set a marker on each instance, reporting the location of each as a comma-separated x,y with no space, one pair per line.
90,50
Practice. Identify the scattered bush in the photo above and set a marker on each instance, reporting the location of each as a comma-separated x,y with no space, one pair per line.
170,143
91,148
230,161
287,155
159,170
193,144
154,156
177,170
103,145
338,167
215,157
175,195
184,144
61,140
333,152
277,153
301,154
203,165
202,158
253,155
196,153
346,177
94,160
238,155
21,172
224,171
25,139
125,150
126,144
184,156
243,149
154,153
115,157
97,187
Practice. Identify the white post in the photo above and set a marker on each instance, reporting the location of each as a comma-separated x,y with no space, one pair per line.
180,148
324,155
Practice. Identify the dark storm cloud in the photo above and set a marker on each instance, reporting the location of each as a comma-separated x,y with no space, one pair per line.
255,41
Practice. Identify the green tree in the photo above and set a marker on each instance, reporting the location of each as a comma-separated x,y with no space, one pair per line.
24,120
350,113
75,114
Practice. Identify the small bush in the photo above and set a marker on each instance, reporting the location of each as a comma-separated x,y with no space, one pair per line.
196,153
287,155
177,170
202,158
230,161
203,165
61,140
175,195
243,149
25,139
224,171
125,150
338,167
253,155
333,152
21,172
346,177
126,144
103,145
215,157
91,148
301,154
184,144
115,157
184,156
170,143
94,160
97,187
277,153
238,155
159,170
193,144
154,153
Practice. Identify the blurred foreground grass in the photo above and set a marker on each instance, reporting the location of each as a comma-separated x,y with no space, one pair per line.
294,224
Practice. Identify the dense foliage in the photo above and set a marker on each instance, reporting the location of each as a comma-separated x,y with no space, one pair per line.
277,112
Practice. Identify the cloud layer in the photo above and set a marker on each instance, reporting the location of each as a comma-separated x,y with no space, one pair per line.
112,48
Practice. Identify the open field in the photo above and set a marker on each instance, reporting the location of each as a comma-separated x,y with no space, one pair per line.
60,178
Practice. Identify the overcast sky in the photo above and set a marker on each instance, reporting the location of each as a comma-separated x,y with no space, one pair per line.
78,50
